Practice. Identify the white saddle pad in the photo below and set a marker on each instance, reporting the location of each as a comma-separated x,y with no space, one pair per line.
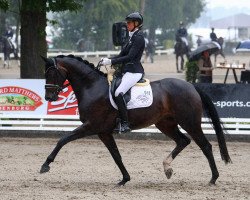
141,97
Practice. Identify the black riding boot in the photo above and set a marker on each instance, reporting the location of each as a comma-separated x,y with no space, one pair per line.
123,127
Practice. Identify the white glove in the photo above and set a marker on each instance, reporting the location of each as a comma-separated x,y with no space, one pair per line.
106,61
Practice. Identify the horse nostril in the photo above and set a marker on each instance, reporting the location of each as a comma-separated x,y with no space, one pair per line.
47,98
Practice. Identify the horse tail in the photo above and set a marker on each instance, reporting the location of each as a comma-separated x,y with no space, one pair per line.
213,115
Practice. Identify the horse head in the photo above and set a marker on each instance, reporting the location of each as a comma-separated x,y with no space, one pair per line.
60,68
220,40
55,76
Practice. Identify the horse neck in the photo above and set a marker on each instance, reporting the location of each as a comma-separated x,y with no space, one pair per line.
83,78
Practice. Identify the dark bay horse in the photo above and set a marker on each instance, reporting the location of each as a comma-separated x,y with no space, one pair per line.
181,49
175,102
8,49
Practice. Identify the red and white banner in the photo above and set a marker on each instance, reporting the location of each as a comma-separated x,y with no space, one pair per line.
26,96
66,103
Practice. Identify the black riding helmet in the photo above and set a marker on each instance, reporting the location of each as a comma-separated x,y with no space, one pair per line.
135,16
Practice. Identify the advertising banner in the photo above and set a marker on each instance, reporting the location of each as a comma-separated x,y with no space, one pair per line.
26,96
22,96
230,100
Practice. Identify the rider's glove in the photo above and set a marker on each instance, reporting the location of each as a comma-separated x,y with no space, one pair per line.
106,61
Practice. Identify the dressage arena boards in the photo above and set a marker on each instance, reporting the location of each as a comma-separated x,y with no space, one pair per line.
84,169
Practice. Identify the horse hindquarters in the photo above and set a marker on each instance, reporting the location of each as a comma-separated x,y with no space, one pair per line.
186,108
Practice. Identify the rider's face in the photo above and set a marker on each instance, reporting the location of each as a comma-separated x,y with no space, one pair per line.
130,25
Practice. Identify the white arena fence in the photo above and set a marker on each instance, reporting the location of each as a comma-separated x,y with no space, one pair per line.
97,54
103,53
23,122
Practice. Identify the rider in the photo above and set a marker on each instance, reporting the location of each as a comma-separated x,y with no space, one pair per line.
213,35
9,33
181,34
132,70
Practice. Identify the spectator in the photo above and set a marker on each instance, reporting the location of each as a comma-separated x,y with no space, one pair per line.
205,68
9,33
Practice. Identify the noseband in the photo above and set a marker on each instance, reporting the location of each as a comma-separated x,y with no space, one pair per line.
55,87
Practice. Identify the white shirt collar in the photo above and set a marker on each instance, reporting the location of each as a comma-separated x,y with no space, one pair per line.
132,33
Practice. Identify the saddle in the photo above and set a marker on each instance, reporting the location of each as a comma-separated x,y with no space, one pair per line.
115,79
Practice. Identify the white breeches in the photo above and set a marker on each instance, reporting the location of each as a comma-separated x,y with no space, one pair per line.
184,40
128,81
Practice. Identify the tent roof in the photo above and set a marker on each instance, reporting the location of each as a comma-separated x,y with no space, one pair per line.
234,21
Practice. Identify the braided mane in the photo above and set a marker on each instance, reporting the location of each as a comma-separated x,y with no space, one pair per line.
91,65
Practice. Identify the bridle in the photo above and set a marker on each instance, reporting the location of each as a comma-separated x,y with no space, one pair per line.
56,88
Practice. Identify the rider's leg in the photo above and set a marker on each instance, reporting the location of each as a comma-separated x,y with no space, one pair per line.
122,108
128,81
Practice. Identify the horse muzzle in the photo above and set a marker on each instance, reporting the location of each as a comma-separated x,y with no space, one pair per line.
51,97
51,92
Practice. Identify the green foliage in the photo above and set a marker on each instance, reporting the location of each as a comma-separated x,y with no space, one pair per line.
191,71
4,5
62,5
166,15
93,23
168,44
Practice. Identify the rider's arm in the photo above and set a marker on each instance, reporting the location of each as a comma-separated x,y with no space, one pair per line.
137,46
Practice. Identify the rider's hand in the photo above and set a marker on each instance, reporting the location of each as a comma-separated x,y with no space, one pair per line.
106,61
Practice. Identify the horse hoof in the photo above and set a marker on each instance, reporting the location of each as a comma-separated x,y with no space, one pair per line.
121,183
169,173
211,183
45,168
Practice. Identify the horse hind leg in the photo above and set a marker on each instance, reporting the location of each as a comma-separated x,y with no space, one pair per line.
200,139
180,139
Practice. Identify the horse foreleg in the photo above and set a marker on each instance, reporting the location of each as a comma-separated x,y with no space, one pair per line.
182,63
222,54
177,64
8,63
215,60
181,142
110,143
77,133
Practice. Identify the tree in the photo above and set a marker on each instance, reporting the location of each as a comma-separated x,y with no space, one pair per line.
166,14
33,34
93,23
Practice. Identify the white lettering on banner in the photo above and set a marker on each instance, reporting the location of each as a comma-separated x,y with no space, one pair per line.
64,102
236,103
